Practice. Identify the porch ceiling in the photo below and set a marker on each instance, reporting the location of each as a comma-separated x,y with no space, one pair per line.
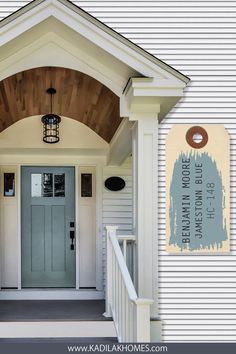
78,96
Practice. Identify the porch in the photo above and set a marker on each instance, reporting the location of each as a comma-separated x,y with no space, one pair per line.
108,260
123,315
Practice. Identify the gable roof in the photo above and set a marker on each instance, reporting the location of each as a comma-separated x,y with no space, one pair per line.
85,15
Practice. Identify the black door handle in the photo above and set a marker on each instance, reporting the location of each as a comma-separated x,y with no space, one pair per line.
72,237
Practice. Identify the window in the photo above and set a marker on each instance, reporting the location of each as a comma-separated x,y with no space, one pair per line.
59,185
47,185
9,184
86,185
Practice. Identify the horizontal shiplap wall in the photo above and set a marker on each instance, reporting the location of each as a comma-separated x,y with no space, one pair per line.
197,293
117,206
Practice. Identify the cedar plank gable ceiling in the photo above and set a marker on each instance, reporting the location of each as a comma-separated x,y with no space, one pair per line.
78,96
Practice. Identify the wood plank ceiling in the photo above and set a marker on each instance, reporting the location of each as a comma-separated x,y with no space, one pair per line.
78,96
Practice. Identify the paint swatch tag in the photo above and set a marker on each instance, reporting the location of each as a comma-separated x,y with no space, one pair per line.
197,189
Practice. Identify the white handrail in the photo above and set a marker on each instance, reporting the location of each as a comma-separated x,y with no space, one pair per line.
131,314
126,237
123,268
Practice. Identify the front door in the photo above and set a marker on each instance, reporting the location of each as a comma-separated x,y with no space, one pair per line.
48,227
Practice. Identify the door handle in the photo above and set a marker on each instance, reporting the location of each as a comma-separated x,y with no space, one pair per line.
72,237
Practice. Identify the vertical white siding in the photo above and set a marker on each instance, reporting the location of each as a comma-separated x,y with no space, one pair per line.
197,293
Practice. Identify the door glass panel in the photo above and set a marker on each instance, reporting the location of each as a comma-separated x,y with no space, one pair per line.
86,185
59,185
36,185
47,185
9,184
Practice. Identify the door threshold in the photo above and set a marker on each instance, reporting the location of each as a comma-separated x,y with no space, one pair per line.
49,294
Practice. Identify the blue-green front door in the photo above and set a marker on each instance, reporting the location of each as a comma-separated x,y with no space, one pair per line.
48,217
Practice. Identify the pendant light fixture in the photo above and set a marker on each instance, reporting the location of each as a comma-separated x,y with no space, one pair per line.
51,123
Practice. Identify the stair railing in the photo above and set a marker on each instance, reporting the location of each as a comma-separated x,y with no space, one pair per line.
131,315
127,243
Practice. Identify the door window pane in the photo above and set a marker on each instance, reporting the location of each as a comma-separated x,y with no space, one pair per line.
86,185
9,184
47,185
36,185
59,185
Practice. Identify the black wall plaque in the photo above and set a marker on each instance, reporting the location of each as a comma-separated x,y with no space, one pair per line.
115,184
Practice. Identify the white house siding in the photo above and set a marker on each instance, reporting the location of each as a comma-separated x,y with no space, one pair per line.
117,206
197,293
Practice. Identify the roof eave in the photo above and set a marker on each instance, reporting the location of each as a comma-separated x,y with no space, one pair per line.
106,29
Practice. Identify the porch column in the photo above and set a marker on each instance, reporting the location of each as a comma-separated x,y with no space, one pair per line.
145,213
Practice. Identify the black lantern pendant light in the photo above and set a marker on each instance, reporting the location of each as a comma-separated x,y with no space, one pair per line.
51,123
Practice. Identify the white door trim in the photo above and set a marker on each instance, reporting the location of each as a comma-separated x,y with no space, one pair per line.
99,228
18,186
77,226
99,254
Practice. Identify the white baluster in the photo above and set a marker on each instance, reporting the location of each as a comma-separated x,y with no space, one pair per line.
131,315
125,250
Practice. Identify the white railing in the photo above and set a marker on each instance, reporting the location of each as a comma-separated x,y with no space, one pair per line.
127,243
131,315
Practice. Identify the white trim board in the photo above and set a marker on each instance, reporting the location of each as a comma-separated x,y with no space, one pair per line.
55,329
92,29
46,294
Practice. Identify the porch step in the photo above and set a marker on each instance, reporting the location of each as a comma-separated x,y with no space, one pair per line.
52,310
51,294
54,319
67,341
57,329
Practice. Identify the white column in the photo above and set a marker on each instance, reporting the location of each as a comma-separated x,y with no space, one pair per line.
145,214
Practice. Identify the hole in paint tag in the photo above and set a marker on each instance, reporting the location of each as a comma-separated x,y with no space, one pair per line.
197,137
